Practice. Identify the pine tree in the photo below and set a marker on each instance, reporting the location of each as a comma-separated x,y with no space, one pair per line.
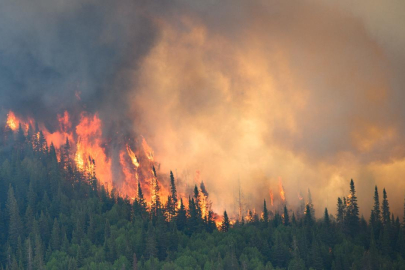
15,224
151,250
308,216
55,236
155,206
197,201
225,223
293,219
39,255
376,207
340,212
265,212
403,218
173,189
141,203
316,259
172,199
326,219
385,209
181,218
286,219
352,213
311,205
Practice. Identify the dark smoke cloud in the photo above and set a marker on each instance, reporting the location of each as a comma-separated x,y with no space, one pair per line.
51,52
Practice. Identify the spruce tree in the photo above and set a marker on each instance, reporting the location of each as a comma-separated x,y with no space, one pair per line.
311,205
197,201
308,216
403,218
181,218
141,203
265,212
340,212
385,209
326,219
155,205
173,189
376,207
352,212
225,223
55,236
15,223
286,218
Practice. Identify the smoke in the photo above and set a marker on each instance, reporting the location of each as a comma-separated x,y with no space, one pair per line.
301,90
243,91
70,55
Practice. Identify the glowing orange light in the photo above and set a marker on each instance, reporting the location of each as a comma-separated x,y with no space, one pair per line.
281,188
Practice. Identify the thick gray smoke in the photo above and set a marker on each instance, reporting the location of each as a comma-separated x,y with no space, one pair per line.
70,55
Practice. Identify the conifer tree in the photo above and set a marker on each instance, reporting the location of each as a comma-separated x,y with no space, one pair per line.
39,255
326,218
15,224
140,203
352,211
197,201
340,212
225,223
55,236
181,218
155,206
385,209
265,212
293,219
173,189
171,199
286,219
311,205
376,206
308,216
403,218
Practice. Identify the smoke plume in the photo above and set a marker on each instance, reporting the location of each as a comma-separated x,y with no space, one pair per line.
244,92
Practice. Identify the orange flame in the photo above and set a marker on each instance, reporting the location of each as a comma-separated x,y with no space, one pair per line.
132,155
148,150
281,189
12,121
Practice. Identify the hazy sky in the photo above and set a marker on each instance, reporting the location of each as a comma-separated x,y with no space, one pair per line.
311,92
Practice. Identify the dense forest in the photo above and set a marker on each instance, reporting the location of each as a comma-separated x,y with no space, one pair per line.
53,217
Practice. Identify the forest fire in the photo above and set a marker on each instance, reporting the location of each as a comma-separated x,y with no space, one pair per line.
85,146
81,147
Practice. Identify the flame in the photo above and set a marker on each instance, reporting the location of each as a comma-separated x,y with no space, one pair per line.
89,144
87,154
148,150
12,121
132,155
281,189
